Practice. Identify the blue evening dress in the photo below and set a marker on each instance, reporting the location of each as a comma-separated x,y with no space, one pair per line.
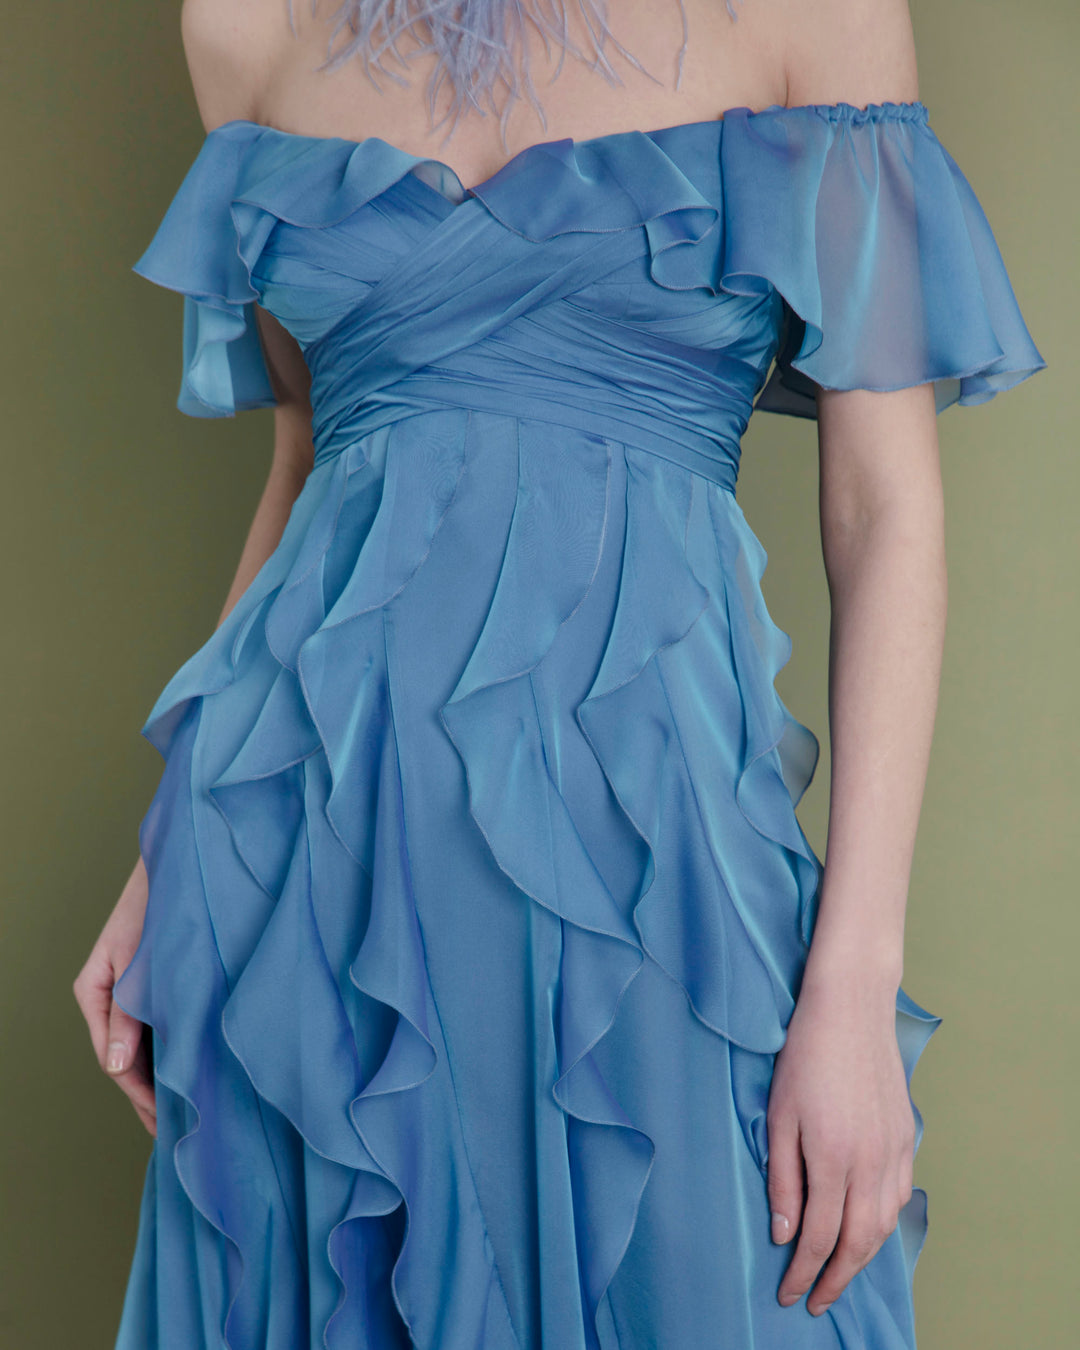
478,902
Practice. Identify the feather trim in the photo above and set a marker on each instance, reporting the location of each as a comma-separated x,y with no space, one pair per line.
476,42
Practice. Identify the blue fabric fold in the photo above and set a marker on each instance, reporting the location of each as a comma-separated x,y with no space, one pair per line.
478,899
867,227
859,218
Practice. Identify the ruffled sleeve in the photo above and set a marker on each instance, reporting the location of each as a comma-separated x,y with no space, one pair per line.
889,270
195,251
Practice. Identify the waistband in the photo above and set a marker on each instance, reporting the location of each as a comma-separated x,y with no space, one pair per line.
424,391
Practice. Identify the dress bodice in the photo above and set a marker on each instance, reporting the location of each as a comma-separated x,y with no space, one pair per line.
640,281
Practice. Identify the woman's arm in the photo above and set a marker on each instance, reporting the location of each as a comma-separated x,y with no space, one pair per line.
119,1040
292,457
840,1127
839,1101
227,50
883,540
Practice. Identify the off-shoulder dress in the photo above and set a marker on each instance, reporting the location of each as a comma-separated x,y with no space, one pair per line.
478,901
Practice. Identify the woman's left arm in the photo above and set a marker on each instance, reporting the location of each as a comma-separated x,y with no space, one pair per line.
839,1098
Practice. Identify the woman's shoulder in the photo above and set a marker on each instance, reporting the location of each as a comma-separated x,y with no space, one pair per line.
851,51
232,49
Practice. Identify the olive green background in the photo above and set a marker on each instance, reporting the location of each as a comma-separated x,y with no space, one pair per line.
122,523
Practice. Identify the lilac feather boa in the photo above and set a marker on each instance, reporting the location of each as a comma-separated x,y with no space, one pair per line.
476,42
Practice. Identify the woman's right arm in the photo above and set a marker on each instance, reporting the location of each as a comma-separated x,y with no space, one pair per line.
119,1040
293,456
228,56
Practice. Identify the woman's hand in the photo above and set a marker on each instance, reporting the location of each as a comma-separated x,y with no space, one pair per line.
118,1038
839,1100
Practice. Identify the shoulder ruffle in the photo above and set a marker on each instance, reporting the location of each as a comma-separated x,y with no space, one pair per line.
887,264
858,217
195,252
244,180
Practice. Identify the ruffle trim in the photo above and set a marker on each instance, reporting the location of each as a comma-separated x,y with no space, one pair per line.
734,942
887,264
284,636
858,217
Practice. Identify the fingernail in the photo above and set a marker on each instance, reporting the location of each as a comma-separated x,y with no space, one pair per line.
788,1299
779,1227
117,1051
819,1308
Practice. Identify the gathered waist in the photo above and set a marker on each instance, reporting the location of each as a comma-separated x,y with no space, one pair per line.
712,456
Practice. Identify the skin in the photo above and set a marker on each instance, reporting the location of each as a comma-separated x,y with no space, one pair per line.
840,1126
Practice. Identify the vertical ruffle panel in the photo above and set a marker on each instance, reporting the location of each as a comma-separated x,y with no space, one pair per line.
282,966
510,747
